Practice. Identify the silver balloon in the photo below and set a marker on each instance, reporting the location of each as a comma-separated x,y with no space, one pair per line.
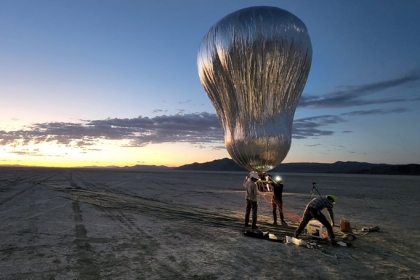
254,64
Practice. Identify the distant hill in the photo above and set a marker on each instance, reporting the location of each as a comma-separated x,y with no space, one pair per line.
348,167
226,164
148,168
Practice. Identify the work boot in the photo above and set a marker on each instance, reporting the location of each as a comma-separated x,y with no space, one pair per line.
283,223
254,227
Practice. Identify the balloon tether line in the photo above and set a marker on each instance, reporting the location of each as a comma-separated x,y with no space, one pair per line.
291,215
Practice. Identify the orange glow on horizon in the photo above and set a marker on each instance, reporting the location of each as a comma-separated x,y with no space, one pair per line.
51,155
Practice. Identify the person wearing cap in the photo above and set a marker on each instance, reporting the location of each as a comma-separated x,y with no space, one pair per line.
277,198
313,211
250,185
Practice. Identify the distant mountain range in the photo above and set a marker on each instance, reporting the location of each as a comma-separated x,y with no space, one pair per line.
348,167
226,164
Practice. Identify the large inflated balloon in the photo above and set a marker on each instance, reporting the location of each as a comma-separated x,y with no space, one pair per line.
254,64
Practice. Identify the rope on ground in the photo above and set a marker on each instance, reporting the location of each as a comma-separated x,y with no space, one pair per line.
335,256
346,255
325,254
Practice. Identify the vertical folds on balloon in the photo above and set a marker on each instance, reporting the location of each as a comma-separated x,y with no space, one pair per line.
254,64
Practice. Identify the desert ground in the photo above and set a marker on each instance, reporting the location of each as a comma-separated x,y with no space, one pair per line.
118,224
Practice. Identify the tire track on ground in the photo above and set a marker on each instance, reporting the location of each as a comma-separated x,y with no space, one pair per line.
17,182
131,232
154,208
87,266
115,202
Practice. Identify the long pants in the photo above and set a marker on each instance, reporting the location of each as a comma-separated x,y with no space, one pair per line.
254,206
277,203
310,214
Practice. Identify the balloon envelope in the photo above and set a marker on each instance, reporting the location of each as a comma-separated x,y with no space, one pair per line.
254,64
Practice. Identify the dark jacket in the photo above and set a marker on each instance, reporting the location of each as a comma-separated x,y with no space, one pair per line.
277,190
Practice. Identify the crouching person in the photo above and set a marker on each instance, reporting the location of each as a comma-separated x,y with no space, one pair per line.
313,211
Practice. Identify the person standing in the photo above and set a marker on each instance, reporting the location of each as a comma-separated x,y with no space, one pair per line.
277,199
250,185
313,211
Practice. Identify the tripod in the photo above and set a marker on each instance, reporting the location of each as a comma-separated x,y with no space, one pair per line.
314,189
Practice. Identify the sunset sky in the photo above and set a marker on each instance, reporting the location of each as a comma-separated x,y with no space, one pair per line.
107,82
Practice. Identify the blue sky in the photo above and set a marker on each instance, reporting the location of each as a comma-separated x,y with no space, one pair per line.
115,82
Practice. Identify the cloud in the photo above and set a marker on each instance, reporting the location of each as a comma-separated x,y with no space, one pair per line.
196,128
310,127
348,96
159,111
313,126
199,129
184,102
375,112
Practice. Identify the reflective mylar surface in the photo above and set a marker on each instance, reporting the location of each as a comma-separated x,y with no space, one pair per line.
253,65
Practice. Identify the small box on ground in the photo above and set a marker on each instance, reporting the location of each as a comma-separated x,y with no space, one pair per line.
345,226
316,229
